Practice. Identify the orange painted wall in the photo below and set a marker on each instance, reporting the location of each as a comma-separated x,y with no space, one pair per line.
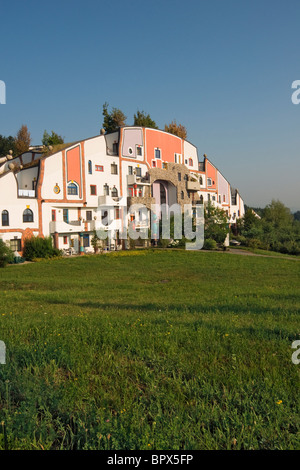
211,172
74,166
169,145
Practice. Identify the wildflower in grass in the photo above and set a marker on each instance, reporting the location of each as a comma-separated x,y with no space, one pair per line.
279,402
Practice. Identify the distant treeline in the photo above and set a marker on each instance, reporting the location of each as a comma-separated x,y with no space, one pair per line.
272,228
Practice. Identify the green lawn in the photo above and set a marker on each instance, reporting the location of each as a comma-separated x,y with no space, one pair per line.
150,350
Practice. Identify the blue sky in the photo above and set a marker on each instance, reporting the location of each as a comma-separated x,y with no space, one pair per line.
223,69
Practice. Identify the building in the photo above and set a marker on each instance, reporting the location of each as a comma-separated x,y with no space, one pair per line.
58,191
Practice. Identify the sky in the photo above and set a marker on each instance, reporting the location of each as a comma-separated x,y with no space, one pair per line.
223,69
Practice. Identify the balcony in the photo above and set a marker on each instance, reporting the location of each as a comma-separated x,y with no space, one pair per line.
72,227
134,179
26,192
110,201
193,186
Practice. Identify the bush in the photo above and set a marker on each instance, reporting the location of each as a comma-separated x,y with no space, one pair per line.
6,255
210,244
38,247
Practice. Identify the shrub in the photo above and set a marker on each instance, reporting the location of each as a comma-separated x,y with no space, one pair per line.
210,244
38,247
6,255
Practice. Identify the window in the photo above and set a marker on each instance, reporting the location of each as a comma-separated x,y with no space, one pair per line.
138,171
153,163
114,192
139,151
219,199
182,195
157,153
15,244
201,199
28,215
104,218
130,170
130,151
179,176
65,240
224,198
201,180
114,169
5,218
117,212
208,181
93,189
53,215
208,197
190,162
86,241
72,189
99,168
89,215
90,167
106,189
66,215
115,148
185,161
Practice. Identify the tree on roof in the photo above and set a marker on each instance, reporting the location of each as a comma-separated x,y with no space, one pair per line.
6,144
176,129
22,140
113,120
144,120
53,139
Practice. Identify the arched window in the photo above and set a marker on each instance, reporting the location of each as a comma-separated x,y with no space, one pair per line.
106,189
201,199
201,180
5,218
28,215
72,189
114,192
90,167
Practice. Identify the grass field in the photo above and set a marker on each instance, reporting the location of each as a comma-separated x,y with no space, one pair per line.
150,350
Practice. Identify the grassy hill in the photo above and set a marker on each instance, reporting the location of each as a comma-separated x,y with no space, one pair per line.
150,350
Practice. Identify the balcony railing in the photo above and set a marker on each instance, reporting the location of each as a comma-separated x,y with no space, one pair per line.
26,192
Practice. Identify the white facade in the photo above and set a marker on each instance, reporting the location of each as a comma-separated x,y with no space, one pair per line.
59,194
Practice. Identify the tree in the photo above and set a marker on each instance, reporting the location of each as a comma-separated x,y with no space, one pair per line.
216,224
112,121
53,139
22,140
6,144
144,120
278,214
176,129
296,214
